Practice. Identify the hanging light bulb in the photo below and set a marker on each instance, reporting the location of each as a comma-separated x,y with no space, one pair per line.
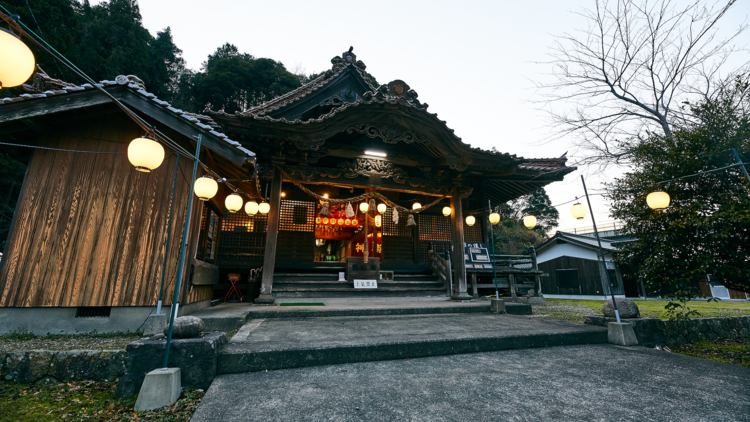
17,63
382,208
145,154
658,200
578,211
233,203
529,221
446,211
264,207
205,188
470,220
251,208
378,220
364,207
416,205
494,218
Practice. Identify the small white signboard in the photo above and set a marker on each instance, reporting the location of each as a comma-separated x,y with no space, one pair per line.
365,284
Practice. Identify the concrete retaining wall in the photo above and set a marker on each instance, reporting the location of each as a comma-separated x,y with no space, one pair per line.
52,367
653,331
122,319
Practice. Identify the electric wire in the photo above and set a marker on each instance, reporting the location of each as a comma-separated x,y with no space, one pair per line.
153,131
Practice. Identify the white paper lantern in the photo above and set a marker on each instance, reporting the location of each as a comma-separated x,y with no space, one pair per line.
233,203
205,188
145,154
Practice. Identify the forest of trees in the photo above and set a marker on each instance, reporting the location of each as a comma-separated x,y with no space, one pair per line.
108,39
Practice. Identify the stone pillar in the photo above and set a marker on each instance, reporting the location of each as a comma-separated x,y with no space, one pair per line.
457,236
272,235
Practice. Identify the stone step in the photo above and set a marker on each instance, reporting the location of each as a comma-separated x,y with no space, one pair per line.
269,344
352,289
361,293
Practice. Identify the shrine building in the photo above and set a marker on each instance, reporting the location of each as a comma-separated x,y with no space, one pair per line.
89,232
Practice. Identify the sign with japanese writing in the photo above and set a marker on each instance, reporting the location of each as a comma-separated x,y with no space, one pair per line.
365,284
477,257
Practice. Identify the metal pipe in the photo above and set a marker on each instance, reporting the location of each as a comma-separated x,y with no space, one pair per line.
742,165
181,267
601,252
169,232
492,241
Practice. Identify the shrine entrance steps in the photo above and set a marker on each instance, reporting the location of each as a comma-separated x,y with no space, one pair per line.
324,283
292,342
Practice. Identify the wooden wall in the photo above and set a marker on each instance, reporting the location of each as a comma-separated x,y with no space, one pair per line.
90,230
589,275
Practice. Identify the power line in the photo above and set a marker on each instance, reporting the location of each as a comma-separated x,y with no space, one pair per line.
60,149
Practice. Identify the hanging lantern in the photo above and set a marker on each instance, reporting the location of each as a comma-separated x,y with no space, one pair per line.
264,207
325,221
145,154
494,218
205,188
470,220
341,221
382,207
355,222
348,222
332,221
578,211
233,203
416,206
251,208
318,220
658,200
364,207
446,211
378,220
16,60
529,221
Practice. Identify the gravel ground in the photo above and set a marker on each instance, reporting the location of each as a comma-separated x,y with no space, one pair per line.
66,342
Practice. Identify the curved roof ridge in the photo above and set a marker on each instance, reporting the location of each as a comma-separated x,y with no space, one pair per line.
339,64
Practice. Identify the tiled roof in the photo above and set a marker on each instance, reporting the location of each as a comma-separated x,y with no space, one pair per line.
340,63
544,164
42,81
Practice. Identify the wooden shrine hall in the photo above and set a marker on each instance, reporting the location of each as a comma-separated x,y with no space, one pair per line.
343,142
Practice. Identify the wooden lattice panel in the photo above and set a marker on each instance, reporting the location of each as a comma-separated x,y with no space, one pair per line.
297,216
400,229
240,222
473,233
434,228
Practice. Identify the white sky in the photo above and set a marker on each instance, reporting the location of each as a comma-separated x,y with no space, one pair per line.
473,62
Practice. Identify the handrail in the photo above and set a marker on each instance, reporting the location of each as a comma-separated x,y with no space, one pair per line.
441,268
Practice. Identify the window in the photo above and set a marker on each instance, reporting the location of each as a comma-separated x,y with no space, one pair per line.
567,278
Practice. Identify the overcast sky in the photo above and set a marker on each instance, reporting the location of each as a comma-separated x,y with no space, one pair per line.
473,62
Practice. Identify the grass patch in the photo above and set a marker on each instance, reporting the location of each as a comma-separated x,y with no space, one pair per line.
84,401
734,351
575,310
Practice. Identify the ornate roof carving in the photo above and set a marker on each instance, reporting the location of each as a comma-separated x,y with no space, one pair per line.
339,65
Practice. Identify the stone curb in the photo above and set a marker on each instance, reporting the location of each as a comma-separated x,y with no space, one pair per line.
30,366
653,331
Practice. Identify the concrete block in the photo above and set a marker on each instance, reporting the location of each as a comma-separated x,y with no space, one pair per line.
155,324
497,306
621,334
160,388
518,308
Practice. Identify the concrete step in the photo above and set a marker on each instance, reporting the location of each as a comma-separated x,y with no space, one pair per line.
351,293
268,344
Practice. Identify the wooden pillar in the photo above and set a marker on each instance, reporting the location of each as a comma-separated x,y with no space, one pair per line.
474,292
457,236
272,235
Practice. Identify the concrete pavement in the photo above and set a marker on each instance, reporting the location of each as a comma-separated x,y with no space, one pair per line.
568,383
280,343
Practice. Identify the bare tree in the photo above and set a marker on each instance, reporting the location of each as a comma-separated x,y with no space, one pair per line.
630,72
